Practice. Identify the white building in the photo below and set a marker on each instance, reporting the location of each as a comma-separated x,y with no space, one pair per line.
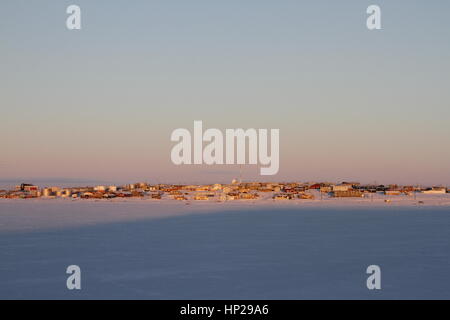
341,187
436,190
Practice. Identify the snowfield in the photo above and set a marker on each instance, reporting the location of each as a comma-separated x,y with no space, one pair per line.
264,249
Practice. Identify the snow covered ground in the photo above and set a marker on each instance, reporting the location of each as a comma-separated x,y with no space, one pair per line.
237,250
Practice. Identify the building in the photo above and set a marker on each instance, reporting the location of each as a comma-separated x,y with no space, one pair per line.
341,187
392,192
348,194
201,197
435,190
306,196
47,192
27,187
283,196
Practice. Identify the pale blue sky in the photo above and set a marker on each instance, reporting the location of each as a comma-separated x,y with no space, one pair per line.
100,103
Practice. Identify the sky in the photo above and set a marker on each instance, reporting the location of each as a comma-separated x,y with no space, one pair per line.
100,103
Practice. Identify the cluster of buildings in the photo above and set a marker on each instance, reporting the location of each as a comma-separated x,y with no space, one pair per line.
355,189
219,192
